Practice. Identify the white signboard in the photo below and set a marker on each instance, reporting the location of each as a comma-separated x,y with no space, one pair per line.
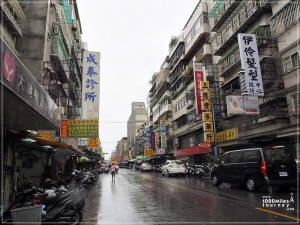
90,85
250,64
242,105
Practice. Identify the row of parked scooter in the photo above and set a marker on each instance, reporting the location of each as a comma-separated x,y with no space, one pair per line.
62,201
198,169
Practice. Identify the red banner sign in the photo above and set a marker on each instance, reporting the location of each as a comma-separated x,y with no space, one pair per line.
198,77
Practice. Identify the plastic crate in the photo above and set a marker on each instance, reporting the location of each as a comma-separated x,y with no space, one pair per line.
27,215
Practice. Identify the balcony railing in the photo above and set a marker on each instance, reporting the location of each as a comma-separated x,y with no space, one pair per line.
242,17
287,17
221,14
11,19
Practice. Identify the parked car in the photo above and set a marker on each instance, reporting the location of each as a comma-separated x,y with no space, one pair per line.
145,167
173,167
256,167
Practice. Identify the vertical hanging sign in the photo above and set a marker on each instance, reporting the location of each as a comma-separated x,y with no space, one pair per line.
90,85
198,77
250,64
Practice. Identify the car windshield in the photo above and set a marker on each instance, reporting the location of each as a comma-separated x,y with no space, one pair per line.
177,162
278,154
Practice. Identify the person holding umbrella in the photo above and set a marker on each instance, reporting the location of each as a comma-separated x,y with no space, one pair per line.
113,171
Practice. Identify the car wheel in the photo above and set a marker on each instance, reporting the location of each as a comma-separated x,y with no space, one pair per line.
250,184
167,173
162,173
215,179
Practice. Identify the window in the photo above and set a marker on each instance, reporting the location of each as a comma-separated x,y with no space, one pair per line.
251,156
287,64
295,60
224,159
235,157
295,101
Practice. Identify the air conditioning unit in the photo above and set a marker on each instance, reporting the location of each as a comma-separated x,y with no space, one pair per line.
189,104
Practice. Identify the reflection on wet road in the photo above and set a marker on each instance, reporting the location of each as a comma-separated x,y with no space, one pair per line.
141,198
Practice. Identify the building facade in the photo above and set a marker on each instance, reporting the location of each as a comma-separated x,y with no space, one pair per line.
41,82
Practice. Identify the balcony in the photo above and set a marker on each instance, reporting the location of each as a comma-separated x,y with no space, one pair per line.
60,57
221,11
239,21
285,18
197,36
177,55
229,61
10,20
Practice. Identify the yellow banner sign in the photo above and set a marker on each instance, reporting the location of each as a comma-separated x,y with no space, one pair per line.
207,116
205,95
148,152
206,105
204,85
227,135
209,137
208,126
83,128
93,143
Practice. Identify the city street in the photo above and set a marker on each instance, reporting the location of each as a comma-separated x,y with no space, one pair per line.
141,198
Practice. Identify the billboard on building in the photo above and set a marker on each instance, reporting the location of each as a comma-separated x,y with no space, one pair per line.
250,64
90,85
79,128
242,105
198,77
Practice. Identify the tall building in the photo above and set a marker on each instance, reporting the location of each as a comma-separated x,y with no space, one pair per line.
275,27
137,117
209,40
41,84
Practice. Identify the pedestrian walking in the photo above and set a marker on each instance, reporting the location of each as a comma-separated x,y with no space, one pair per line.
113,171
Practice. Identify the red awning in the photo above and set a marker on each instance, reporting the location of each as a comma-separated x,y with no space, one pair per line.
200,149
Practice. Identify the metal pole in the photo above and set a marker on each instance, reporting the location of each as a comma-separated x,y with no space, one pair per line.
214,124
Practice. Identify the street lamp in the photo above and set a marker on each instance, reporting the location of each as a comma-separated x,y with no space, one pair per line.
215,148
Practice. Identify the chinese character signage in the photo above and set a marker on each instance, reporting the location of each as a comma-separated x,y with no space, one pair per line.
79,128
207,116
148,138
160,151
148,152
227,135
198,77
209,137
242,105
19,80
250,64
93,143
163,136
90,85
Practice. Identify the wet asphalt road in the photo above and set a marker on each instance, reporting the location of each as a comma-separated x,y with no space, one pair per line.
149,198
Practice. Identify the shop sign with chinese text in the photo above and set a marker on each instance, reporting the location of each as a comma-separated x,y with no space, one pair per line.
90,85
79,128
250,64
198,77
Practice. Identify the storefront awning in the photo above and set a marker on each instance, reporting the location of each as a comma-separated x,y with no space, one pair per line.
56,144
200,149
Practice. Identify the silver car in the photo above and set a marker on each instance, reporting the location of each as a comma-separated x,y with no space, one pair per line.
145,167
173,167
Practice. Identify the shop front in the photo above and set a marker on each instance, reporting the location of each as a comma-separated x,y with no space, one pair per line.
25,105
195,154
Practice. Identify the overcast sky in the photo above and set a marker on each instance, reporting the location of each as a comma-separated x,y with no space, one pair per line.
133,38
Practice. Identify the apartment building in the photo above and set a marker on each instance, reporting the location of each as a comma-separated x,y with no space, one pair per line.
41,84
210,37
275,40
137,117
